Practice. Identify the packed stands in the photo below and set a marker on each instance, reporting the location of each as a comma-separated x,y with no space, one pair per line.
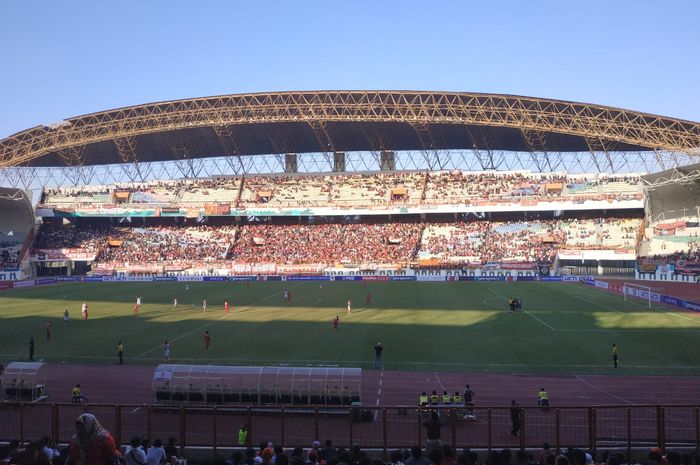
340,243
327,243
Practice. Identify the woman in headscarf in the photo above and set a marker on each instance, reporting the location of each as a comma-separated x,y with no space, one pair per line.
92,444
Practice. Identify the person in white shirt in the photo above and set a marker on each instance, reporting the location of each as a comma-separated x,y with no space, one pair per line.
48,449
156,454
134,453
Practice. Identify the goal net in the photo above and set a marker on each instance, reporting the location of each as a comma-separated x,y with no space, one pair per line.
637,292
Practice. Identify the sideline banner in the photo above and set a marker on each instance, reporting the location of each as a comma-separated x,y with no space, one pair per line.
408,278
426,278
347,278
190,278
308,278
375,278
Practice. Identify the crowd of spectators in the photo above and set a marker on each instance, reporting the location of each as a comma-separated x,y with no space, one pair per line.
9,255
458,187
71,237
141,451
346,243
285,191
524,241
167,244
327,243
353,189
92,444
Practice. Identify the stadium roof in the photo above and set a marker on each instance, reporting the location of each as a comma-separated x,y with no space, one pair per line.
342,121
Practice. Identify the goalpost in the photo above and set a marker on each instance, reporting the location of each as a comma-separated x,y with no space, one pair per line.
637,291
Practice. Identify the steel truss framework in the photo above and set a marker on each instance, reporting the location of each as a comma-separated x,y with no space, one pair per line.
337,121
470,160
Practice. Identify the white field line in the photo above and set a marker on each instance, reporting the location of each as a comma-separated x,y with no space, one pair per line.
526,312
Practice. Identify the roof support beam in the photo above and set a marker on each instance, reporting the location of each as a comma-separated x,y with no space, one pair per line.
593,122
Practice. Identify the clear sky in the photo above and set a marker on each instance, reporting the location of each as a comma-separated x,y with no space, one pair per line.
66,58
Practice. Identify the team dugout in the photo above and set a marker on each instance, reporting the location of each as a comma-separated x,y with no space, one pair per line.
209,384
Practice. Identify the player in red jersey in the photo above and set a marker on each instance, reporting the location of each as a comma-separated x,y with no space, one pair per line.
226,309
207,340
136,309
336,320
48,331
368,300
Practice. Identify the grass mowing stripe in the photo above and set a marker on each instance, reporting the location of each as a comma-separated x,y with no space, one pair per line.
456,326
206,325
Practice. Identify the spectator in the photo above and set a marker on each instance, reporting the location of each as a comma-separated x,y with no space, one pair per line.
433,426
156,455
134,454
91,444
416,457
171,448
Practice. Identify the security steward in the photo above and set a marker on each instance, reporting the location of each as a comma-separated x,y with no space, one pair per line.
243,435
446,398
434,398
543,398
457,398
423,399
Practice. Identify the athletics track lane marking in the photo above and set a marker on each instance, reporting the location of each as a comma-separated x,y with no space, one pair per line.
211,322
379,392
528,313
588,383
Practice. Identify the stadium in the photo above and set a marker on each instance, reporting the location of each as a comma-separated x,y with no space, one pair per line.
311,264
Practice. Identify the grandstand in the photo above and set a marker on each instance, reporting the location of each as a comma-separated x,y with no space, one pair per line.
356,186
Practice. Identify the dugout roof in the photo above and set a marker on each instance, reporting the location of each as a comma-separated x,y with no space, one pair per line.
339,121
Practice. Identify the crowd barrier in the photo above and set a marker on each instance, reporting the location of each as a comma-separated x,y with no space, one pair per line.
597,427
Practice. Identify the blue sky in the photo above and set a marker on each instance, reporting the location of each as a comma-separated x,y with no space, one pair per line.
62,59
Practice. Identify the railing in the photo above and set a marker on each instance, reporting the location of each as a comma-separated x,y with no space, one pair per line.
598,427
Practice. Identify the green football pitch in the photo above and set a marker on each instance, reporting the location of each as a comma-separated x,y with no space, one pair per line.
563,328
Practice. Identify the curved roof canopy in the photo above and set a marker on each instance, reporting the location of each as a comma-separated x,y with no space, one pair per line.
328,121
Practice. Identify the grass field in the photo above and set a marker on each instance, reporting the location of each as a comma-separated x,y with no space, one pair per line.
564,328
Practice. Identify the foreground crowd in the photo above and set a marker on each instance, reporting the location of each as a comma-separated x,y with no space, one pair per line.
94,445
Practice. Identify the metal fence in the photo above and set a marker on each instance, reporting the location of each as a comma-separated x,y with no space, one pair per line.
597,427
